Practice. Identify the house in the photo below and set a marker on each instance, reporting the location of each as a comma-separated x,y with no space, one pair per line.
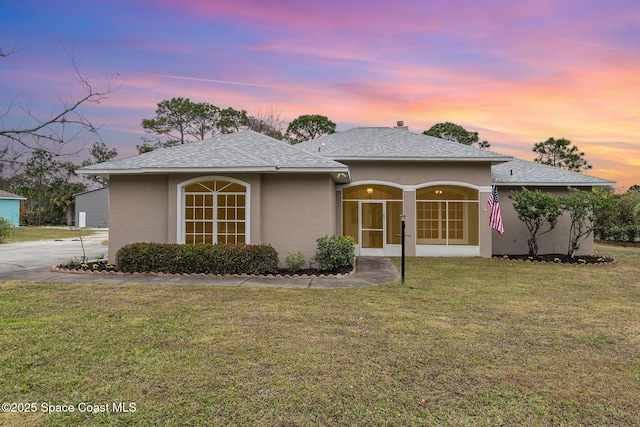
10,207
92,208
249,188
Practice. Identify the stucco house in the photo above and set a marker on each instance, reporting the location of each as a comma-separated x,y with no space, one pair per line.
248,187
10,207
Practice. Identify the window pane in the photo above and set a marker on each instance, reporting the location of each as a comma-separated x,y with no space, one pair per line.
373,191
394,222
372,216
372,239
430,223
446,192
350,219
218,197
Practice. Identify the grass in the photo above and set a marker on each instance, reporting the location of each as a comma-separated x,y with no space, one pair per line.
478,342
24,234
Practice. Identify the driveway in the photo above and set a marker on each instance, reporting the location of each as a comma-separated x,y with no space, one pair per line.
21,258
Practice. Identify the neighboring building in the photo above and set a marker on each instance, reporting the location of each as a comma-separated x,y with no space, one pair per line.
10,207
249,188
92,208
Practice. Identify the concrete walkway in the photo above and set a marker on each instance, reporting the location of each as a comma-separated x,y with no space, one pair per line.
370,271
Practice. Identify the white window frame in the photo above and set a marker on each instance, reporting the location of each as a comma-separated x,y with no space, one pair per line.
181,197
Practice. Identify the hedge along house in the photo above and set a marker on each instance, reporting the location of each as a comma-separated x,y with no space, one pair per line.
249,188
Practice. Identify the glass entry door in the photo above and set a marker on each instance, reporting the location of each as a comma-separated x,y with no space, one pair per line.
372,230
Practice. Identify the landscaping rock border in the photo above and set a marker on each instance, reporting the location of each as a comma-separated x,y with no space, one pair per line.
560,259
79,270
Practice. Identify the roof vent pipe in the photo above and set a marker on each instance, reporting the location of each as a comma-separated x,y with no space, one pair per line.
400,125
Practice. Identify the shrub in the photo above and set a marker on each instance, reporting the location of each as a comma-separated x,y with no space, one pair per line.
632,231
334,252
295,261
5,228
202,258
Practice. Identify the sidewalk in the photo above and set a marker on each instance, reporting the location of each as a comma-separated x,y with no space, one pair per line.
370,271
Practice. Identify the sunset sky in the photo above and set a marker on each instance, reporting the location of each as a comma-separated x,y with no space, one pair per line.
517,72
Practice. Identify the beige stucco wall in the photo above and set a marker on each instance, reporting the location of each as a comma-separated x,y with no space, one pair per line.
414,173
514,239
296,210
138,210
288,211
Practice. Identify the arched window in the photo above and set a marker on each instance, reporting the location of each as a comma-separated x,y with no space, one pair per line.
447,215
215,211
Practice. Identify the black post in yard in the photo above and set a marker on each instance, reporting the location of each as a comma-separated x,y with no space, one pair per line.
402,217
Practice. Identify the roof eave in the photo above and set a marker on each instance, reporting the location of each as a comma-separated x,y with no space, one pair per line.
557,184
423,159
263,169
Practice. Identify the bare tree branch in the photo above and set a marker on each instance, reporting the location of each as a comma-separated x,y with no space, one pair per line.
65,124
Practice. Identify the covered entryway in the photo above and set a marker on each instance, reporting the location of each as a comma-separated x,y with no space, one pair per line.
371,215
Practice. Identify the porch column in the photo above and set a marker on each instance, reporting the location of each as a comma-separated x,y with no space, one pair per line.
409,206
486,232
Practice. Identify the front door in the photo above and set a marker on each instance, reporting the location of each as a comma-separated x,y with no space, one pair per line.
372,230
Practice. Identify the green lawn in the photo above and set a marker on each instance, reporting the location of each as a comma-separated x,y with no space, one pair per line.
469,341
23,234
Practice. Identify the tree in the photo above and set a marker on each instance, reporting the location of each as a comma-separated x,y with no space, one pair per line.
180,121
48,133
63,197
42,176
308,127
269,123
587,211
100,153
536,209
232,120
453,132
560,153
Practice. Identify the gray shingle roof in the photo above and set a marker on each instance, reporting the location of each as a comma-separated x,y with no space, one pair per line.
383,143
522,172
242,151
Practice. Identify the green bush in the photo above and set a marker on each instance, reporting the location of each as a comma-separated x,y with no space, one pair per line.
202,258
295,261
334,252
5,228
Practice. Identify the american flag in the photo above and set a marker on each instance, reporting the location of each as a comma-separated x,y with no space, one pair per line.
495,220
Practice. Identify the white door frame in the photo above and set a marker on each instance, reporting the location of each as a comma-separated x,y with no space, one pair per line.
373,251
